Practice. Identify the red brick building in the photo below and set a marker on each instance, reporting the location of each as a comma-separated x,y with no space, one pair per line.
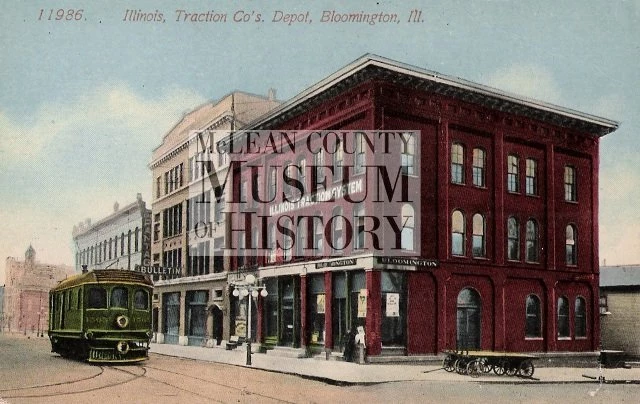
500,251
26,293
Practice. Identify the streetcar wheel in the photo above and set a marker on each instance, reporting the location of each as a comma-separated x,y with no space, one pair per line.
526,369
499,368
461,366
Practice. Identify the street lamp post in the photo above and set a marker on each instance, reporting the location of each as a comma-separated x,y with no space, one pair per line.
250,289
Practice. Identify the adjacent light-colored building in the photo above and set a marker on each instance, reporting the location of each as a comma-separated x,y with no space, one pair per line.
26,293
188,236
620,308
121,240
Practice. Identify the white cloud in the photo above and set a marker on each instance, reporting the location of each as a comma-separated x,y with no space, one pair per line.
527,80
109,106
110,123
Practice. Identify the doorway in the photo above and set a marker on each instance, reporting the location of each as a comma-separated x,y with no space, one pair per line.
468,319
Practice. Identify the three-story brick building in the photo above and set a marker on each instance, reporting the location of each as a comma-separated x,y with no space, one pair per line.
498,252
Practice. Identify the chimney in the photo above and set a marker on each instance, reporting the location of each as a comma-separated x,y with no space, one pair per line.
271,95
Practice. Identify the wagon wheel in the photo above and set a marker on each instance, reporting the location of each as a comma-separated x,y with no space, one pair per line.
500,367
485,365
526,369
511,369
461,366
474,368
449,363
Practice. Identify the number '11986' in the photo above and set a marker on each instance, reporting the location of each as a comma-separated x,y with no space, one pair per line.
60,14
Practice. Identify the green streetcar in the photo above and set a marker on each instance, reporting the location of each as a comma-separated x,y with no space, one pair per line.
102,316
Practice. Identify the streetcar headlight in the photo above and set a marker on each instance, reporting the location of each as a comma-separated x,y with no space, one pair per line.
122,321
122,347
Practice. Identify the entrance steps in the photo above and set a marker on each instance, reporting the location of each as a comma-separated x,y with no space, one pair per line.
406,359
286,352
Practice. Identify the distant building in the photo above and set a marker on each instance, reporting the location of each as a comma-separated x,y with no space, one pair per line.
620,308
26,293
121,240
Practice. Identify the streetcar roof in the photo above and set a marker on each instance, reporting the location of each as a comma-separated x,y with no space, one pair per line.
104,276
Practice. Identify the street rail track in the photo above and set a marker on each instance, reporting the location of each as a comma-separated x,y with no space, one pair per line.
69,383
227,386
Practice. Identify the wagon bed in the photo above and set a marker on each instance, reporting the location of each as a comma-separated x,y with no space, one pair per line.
475,363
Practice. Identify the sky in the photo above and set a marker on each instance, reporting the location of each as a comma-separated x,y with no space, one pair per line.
84,102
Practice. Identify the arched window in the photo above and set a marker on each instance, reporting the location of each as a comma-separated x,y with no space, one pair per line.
272,183
408,221
241,251
360,154
318,163
255,234
318,234
110,248
532,241
337,161
115,247
469,318
457,233
302,172
479,249
457,163
534,320
290,171
337,231
479,167
287,240
571,242
301,238
271,242
513,239
563,317
358,223
122,243
512,173
137,240
580,318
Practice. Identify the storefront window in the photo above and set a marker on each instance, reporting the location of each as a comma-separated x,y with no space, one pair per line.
316,306
197,316
171,313
271,309
393,308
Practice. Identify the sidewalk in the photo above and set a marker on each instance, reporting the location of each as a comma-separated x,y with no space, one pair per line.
345,373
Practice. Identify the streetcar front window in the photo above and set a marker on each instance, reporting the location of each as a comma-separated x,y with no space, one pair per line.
97,298
119,297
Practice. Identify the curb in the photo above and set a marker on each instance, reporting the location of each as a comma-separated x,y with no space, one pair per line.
462,379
